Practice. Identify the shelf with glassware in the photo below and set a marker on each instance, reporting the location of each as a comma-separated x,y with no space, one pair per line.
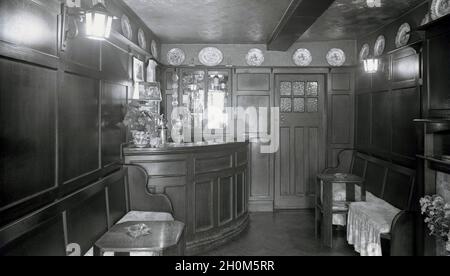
205,94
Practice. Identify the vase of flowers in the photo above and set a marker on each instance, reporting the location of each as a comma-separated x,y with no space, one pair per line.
142,124
437,218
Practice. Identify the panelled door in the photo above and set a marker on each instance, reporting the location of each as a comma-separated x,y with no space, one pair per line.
301,155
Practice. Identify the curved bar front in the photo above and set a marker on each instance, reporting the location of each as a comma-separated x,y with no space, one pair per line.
206,183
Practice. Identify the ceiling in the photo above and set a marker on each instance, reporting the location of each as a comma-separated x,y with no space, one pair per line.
254,21
350,19
211,21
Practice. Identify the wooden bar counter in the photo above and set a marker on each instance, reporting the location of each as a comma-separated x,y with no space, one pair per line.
208,185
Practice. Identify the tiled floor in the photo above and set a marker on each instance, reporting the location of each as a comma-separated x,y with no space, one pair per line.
286,233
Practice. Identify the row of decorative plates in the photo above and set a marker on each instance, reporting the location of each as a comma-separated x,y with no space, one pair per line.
127,31
439,8
211,56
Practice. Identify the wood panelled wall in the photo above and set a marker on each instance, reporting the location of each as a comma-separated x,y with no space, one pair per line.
387,102
61,114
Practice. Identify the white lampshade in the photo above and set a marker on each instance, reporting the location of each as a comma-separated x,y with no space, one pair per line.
371,65
98,23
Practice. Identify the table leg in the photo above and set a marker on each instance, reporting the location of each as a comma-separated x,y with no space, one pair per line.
363,191
327,219
318,212
350,192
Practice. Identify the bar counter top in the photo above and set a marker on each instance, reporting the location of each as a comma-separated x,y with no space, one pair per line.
180,148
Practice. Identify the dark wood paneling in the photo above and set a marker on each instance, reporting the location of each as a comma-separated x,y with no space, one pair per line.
44,96
253,82
87,222
84,52
225,200
439,72
341,82
363,118
27,117
204,206
115,63
406,108
114,99
342,114
375,175
164,168
381,121
398,190
31,24
364,81
45,240
300,160
211,164
252,121
79,105
117,201
240,195
381,79
405,66
260,170
285,160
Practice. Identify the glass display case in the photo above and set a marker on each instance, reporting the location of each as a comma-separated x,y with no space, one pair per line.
206,94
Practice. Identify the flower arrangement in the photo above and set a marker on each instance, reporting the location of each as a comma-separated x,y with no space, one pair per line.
137,118
141,122
437,214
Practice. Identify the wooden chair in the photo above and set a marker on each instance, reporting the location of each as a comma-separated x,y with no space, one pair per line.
327,205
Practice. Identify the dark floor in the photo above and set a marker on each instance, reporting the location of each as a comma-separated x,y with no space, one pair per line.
286,233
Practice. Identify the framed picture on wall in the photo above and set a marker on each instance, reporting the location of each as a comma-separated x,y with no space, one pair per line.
138,70
150,91
151,71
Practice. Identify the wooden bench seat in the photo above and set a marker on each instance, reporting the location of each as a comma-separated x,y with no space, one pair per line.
389,206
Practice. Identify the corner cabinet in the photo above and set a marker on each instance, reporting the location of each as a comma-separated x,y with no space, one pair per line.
435,125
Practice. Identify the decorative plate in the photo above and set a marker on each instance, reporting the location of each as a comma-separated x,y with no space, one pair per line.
380,45
255,57
176,57
302,57
365,51
426,19
403,35
126,27
336,57
439,8
154,49
210,56
142,41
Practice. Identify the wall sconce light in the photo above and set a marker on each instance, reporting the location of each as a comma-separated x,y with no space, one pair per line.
371,65
98,21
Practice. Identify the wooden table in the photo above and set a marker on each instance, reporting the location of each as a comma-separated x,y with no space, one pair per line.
324,201
166,239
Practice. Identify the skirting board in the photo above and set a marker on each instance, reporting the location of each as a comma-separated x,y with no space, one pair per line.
255,206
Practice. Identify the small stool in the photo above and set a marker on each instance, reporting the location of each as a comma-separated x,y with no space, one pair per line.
326,208
166,239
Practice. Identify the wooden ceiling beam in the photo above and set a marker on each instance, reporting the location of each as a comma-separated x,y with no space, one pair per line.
298,18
